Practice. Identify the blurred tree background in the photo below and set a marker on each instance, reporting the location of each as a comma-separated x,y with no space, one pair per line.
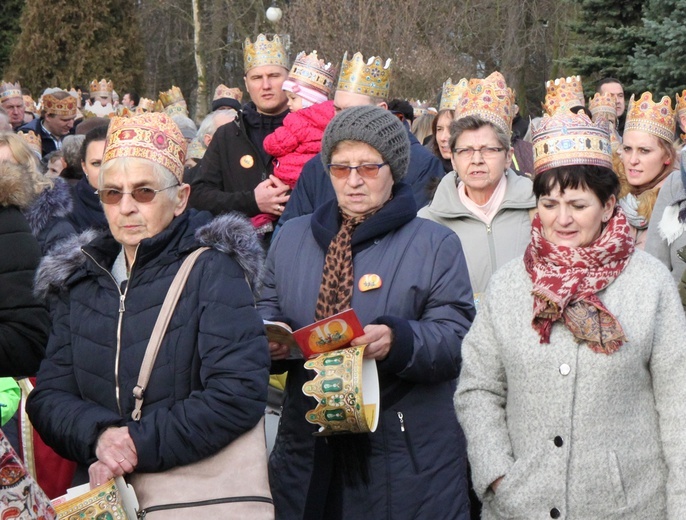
150,45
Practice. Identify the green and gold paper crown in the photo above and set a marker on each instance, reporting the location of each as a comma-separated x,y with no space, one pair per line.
264,52
563,92
419,108
658,119
567,139
451,94
489,99
310,71
9,90
370,78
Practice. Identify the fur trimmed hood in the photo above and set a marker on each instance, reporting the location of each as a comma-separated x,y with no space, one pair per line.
15,185
55,202
231,234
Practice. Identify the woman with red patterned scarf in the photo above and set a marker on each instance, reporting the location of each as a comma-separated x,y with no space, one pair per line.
574,404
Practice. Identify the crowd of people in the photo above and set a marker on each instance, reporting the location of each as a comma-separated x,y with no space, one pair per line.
521,287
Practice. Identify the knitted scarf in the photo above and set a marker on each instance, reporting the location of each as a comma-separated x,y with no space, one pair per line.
567,279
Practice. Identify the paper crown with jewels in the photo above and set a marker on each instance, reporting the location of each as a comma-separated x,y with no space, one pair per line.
602,105
153,136
222,91
419,108
66,107
563,92
312,72
451,93
103,87
173,96
489,99
145,105
29,104
645,115
567,139
681,104
9,90
264,52
33,140
370,78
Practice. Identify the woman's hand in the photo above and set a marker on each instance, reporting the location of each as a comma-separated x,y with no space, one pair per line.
115,449
98,474
378,338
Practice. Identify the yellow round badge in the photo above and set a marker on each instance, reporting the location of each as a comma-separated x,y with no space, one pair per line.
369,282
247,161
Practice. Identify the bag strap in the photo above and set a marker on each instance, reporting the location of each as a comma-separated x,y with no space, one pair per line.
160,328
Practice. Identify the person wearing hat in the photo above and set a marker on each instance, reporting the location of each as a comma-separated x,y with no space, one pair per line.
12,101
362,82
236,172
571,393
108,290
58,113
415,309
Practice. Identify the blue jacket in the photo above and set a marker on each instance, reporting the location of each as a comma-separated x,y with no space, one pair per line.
314,187
87,212
417,462
209,382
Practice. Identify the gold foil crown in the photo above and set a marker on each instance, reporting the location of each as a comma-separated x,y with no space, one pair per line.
264,52
33,140
29,104
567,139
173,96
152,136
681,103
9,90
222,92
103,87
370,78
645,115
602,104
451,94
419,108
489,99
563,92
145,105
60,107
310,71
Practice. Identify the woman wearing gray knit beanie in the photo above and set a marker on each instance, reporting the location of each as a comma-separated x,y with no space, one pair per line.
406,278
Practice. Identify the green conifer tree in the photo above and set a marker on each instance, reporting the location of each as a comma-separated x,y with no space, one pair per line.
10,12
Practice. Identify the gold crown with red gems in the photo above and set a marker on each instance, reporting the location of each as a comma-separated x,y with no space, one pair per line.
563,92
681,103
310,71
264,52
103,87
451,93
566,139
60,107
645,115
602,104
9,90
489,99
370,78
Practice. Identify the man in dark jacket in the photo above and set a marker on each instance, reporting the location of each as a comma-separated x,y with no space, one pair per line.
56,120
354,89
236,171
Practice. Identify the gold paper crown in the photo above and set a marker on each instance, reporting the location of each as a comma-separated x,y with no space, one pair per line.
561,92
97,110
176,110
370,78
33,140
60,107
145,105
159,107
451,94
222,92
419,108
681,103
657,119
29,104
9,90
310,71
151,136
173,96
601,105
489,99
566,139
104,87
264,52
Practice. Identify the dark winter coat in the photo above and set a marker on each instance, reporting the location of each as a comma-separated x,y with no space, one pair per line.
418,467
47,144
233,165
48,215
24,321
87,212
314,187
209,383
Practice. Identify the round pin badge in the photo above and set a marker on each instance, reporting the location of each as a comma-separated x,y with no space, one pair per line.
369,282
247,161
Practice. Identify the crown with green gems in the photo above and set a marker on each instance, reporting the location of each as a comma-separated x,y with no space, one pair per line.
369,78
489,99
9,90
264,52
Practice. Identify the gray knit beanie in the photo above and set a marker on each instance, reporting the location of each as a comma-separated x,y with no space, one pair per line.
375,126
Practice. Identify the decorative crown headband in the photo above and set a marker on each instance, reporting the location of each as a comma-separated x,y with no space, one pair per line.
419,108
9,90
489,99
601,105
451,94
60,107
222,91
103,88
33,140
566,139
563,92
153,136
29,104
264,52
173,96
681,103
645,115
310,71
145,105
370,78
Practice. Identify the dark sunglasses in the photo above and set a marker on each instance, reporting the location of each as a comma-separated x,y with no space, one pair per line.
143,195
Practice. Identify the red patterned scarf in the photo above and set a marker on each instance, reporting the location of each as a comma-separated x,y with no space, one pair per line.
566,282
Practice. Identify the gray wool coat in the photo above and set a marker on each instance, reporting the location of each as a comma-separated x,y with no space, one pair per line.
588,435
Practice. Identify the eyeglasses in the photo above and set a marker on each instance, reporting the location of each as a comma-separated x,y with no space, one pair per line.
368,171
143,195
487,152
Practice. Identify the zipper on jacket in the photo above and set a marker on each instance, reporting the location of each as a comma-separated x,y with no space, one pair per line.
214,501
408,442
